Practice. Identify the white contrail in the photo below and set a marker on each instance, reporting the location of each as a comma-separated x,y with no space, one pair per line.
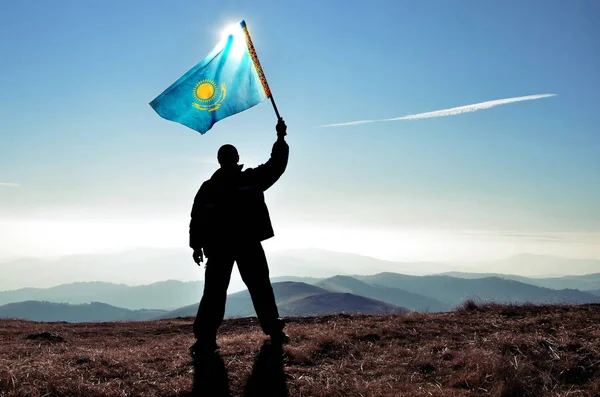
449,112
9,184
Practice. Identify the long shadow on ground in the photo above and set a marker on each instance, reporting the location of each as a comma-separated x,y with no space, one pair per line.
267,378
210,377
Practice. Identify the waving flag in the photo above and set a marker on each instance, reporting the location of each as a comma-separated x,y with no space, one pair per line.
227,81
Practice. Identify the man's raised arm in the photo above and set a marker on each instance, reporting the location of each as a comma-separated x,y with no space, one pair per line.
268,173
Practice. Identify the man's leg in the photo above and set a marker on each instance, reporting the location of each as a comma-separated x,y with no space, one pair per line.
212,306
254,270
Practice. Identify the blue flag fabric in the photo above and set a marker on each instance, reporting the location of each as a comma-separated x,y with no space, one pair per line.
227,81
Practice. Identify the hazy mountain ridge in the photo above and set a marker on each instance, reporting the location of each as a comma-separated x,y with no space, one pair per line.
239,304
165,295
294,294
454,290
85,312
133,267
322,264
580,282
395,296
298,299
337,302
379,293
146,266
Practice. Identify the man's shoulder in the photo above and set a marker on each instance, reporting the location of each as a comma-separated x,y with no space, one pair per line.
205,187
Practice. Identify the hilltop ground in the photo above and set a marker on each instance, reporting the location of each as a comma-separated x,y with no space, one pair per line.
477,350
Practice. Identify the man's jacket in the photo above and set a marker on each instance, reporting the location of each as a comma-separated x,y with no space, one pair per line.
230,207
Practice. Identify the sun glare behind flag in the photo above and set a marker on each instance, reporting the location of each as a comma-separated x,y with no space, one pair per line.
227,81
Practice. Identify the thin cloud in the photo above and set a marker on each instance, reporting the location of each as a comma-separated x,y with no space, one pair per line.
449,112
9,184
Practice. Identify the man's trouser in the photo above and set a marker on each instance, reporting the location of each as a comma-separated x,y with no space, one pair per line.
252,264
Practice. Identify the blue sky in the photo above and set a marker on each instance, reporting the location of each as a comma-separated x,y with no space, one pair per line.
81,147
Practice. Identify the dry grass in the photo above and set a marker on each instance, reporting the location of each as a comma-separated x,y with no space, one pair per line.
479,349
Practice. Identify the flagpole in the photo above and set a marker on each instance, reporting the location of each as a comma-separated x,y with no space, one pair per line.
259,69
275,107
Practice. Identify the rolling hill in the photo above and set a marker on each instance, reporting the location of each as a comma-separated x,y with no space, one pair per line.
293,298
86,312
580,282
337,302
454,290
297,299
239,304
180,299
394,296
168,294
150,265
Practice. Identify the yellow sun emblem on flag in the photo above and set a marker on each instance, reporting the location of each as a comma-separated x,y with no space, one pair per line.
209,95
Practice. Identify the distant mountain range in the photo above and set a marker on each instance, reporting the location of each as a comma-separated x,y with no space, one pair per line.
86,312
379,293
322,264
166,295
453,290
337,302
298,299
133,267
146,266
324,282
397,296
584,282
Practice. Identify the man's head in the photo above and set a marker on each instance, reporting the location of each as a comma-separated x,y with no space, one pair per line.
228,156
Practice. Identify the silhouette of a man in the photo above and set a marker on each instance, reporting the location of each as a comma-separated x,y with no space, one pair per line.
229,221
